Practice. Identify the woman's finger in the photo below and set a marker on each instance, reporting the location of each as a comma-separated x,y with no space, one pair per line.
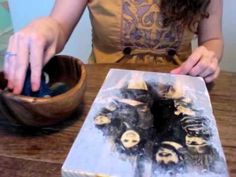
21,63
12,62
37,46
6,58
48,54
213,76
192,60
200,67
211,68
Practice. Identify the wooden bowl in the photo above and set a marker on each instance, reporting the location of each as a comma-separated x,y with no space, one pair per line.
32,111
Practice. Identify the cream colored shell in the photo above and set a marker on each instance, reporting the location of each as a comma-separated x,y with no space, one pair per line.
196,144
102,120
166,156
130,138
184,110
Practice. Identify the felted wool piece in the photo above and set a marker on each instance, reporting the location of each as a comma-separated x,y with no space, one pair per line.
43,91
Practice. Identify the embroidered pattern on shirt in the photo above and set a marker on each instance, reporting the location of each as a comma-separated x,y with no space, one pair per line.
142,26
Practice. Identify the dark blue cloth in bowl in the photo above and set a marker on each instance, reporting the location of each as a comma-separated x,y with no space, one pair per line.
43,91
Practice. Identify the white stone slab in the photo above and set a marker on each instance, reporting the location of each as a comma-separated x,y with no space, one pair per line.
189,142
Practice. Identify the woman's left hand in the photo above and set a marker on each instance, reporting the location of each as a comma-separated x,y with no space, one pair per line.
202,62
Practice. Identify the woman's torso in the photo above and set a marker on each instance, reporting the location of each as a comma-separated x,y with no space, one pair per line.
132,31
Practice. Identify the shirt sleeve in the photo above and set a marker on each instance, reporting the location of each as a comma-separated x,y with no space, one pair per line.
211,28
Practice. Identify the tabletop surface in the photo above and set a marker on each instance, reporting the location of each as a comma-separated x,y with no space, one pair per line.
41,152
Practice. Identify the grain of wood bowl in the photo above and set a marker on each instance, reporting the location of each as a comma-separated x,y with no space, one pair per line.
38,112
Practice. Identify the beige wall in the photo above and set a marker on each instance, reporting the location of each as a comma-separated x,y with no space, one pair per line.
229,29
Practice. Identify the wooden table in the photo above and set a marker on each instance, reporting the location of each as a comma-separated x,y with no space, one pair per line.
41,152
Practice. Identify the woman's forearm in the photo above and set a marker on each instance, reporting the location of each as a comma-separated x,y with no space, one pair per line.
67,14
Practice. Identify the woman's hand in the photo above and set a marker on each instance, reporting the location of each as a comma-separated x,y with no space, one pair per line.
34,45
202,63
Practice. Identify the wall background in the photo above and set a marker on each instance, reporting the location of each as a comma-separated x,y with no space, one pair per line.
79,45
229,31
5,28
5,22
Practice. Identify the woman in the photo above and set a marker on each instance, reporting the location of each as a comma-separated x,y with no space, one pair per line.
131,31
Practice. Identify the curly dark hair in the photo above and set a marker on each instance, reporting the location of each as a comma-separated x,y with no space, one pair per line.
188,12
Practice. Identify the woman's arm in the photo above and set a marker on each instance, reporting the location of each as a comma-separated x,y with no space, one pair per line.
67,14
210,29
204,61
39,41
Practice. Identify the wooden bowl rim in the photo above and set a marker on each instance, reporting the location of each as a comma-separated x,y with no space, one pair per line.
56,98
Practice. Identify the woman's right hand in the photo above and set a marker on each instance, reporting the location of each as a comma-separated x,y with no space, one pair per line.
34,45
